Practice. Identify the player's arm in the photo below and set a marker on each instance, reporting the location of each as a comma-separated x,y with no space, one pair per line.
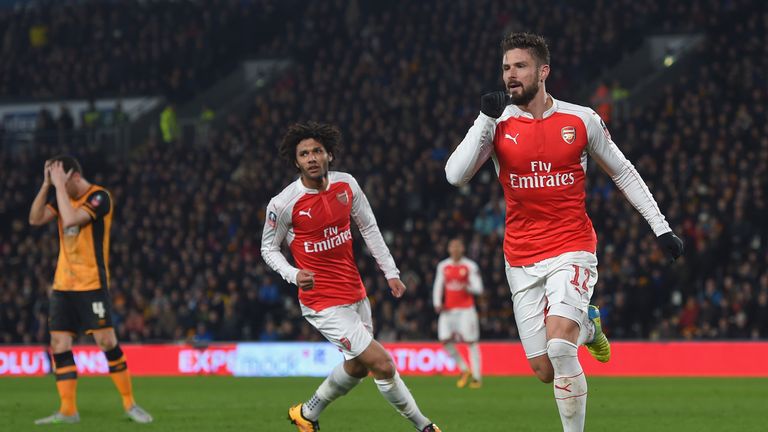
475,280
40,213
437,288
69,215
362,214
477,145
276,226
628,180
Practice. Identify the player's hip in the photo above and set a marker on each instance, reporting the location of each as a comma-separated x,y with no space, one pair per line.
567,268
524,251
321,299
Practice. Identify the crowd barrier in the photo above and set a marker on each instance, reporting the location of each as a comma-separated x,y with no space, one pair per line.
725,359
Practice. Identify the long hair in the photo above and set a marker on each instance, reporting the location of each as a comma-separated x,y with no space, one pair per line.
326,134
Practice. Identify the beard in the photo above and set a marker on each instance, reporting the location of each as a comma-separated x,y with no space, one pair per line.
528,93
318,174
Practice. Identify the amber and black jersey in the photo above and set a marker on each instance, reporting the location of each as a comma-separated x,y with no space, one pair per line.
84,251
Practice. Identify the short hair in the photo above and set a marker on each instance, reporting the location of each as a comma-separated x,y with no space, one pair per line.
68,163
326,134
535,44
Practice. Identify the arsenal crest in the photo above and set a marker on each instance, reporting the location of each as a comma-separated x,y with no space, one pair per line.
569,134
342,197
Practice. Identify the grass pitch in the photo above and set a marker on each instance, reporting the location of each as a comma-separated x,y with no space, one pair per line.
504,404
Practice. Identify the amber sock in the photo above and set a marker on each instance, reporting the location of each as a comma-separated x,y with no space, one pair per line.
118,371
66,381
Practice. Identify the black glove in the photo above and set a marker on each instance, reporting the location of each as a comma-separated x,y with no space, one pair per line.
671,245
493,104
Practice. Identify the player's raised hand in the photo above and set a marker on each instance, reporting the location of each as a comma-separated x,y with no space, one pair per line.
493,104
397,287
305,280
47,173
671,245
58,176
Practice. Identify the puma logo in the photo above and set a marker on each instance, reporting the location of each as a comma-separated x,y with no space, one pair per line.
306,212
513,138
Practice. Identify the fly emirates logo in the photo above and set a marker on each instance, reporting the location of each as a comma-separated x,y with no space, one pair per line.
332,240
541,177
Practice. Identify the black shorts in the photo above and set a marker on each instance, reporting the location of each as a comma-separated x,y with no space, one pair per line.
73,311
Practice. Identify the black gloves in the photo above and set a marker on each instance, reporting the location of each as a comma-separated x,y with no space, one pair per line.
493,104
671,245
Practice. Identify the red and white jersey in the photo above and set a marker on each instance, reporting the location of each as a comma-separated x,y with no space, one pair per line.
316,226
541,164
459,281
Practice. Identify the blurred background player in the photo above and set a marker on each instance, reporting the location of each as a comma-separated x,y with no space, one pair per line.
313,215
539,147
458,280
80,298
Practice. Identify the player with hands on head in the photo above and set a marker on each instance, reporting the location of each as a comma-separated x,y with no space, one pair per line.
80,299
539,147
313,216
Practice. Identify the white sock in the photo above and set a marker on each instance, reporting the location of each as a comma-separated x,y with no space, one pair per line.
586,332
475,359
338,383
397,394
570,384
450,347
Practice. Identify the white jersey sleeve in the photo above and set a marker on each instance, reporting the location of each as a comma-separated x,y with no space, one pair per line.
438,286
366,222
475,280
623,173
277,225
471,154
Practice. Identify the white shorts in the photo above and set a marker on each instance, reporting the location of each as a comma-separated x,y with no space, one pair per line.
560,285
458,324
349,327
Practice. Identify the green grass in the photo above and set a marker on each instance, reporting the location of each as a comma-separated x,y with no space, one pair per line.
503,404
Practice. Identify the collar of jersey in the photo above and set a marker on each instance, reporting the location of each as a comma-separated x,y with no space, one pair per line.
301,186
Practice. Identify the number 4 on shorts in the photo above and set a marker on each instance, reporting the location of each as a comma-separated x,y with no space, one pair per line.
98,309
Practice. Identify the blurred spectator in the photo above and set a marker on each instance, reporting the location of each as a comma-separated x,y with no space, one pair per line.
78,49
91,116
169,124
602,102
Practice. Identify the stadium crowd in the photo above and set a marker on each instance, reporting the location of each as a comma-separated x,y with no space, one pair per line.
68,49
185,248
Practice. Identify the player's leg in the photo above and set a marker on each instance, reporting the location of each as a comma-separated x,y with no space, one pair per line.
391,386
378,361
570,384
446,334
118,371
569,287
343,378
529,303
344,327
63,326
470,332
95,312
